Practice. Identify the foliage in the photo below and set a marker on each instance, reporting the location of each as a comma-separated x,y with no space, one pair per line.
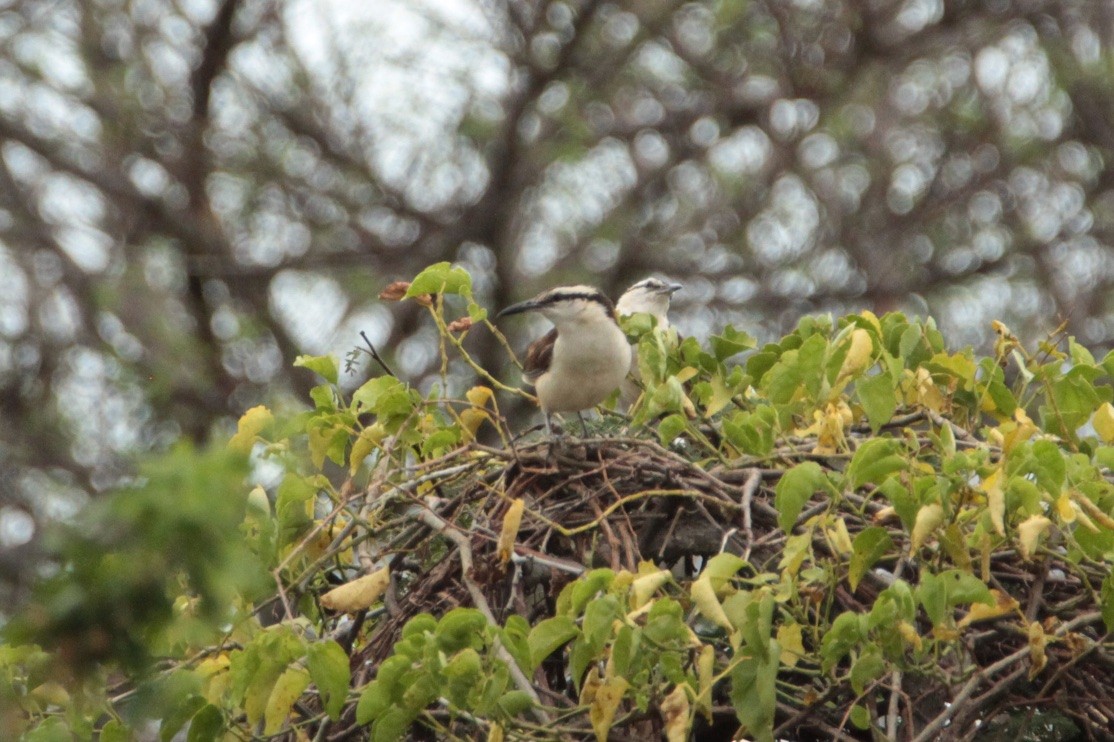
851,531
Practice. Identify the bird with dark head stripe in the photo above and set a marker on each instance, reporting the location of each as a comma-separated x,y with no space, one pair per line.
583,359
652,296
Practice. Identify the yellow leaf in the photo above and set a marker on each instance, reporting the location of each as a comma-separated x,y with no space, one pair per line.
362,447
872,318
210,666
839,538
791,643
358,594
1092,509
677,715
251,423
721,397
288,689
995,500
927,392
590,686
1065,508
258,501
1037,642
472,418
1104,422
470,421
644,587
51,693
909,634
479,395
496,734
928,520
829,428
1029,532
1019,430
1003,604
705,676
511,521
858,355
704,596
605,705
686,373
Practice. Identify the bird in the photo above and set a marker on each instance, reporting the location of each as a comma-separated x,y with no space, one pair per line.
583,359
652,296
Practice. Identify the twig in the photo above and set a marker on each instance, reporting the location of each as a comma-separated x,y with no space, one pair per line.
749,488
929,732
375,354
440,525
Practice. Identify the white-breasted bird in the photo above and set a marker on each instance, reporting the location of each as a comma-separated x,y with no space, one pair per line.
583,359
652,296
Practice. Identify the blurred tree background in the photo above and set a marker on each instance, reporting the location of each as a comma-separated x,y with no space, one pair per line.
194,192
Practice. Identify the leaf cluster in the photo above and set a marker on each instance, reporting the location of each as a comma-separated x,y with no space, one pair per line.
851,531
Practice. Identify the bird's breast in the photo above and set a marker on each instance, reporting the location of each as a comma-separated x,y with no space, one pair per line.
588,364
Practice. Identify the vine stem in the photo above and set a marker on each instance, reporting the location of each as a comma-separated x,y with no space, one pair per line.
442,526
930,731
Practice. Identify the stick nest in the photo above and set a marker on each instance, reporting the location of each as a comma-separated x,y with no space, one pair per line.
618,502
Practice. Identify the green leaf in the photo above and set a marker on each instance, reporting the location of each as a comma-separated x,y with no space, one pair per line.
441,278
869,545
392,725
670,428
875,461
287,689
752,432
206,725
476,313
860,717
292,503
877,396
576,594
52,729
419,625
515,702
868,667
754,695
797,486
1073,399
323,366
548,636
1107,596
721,568
328,667
598,619
383,395
460,628
515,636
375,700
114,731
731,342
464,673
176,719
846,632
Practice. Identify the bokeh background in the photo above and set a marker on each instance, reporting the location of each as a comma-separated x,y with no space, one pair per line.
194,192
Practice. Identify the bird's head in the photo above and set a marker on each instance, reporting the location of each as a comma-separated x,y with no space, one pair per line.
567,304
650,295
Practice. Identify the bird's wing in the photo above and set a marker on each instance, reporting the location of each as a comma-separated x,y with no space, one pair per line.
539,355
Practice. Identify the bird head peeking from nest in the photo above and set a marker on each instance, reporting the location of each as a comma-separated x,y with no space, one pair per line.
652,296
583,359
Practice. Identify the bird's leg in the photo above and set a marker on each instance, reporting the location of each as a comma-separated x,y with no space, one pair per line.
583,423
548,427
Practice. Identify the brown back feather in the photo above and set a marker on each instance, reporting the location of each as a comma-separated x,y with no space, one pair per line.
539,355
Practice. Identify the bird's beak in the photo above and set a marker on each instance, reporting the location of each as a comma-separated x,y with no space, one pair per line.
673,288
522,306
